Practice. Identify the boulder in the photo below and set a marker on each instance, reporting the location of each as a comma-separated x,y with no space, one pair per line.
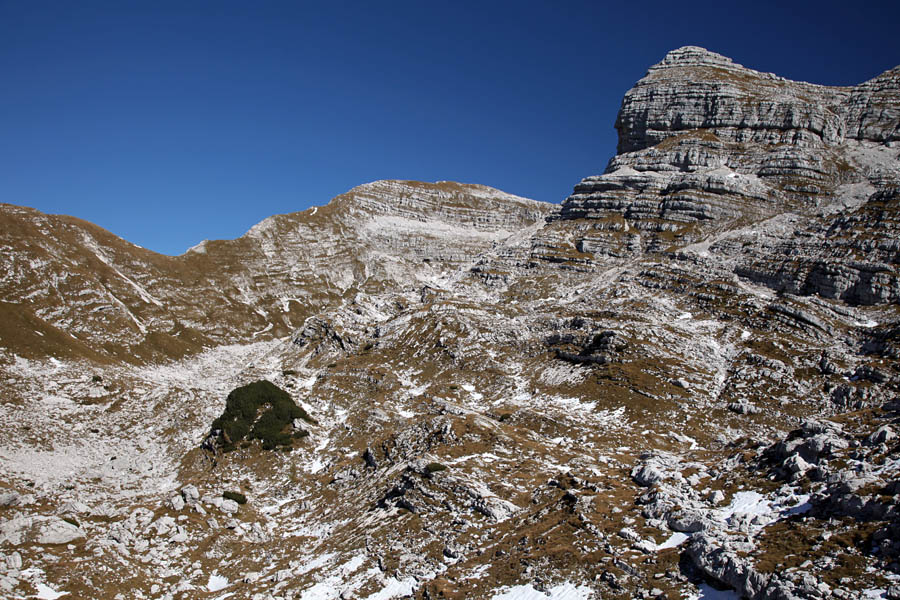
689,520
882,435
176,502
647,475
795,464
191,494
39,530
73,507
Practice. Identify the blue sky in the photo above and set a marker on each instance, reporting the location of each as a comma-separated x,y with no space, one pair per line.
171,122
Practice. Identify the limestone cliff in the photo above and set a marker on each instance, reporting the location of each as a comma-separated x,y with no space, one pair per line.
708,147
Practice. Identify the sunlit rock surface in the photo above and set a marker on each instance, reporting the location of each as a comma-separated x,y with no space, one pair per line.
686,372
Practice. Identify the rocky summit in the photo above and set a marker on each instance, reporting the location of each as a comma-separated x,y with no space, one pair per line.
682,382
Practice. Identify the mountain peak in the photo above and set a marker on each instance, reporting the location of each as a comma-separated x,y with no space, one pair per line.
689,56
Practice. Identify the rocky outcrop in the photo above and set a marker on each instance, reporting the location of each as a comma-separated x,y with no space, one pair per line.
705,142
41,530
853,256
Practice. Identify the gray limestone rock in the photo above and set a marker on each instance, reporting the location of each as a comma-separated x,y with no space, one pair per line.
647,475
74,507
176,502
40,530
10,499
191,494
795,464
881,435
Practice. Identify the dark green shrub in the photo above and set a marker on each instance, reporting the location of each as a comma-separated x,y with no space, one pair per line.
96,379
258,411
289,372
434,467
236,496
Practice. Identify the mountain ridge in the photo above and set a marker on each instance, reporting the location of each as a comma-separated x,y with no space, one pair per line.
685,374
125,263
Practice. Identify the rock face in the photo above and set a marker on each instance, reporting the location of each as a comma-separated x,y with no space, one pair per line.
689,370
707,146
853,256
692,88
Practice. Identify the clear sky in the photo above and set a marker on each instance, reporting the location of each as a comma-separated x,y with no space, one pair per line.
171,122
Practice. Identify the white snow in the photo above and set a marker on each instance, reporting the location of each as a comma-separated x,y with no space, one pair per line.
803,505
675,540
564,591
394,588
45,592
144,294
746,503
762,510
686,439
331,587
216,582
707,592
256,333
471,389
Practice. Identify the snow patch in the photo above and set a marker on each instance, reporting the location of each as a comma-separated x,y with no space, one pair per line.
268,327
564,591
707,592
746,503
45,592
675,540
393,588
216,582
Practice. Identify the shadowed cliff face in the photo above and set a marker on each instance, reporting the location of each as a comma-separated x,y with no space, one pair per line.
688,370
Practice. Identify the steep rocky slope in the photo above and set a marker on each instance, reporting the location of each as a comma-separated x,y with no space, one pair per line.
684,378
132,304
